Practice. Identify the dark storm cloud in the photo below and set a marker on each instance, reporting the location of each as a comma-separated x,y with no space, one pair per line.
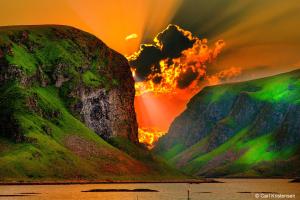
146,61
168,44
173,41
156,79
186,78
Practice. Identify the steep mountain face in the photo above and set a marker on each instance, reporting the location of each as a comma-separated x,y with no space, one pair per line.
94,79
65,98
241,129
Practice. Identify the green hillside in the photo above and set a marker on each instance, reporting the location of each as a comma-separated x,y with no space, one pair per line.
247,129
58,90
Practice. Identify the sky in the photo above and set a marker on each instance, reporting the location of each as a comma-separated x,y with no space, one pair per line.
111,21
262,36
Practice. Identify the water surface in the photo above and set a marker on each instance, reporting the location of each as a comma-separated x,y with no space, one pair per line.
235,189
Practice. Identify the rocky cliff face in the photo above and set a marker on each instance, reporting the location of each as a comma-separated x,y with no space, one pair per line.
240,129
94,80
66,109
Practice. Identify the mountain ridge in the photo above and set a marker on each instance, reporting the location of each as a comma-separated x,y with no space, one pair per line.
67,109
239,129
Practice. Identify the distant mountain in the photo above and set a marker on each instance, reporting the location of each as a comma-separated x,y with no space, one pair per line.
247,129
67,110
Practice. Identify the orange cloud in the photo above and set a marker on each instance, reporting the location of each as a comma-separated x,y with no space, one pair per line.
224,75
131,36
187,70
163,92
149,136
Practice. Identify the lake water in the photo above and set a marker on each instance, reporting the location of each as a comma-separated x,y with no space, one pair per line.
232,189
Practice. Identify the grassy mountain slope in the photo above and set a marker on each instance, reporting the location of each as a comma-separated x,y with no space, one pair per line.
45,71
64,148
240,129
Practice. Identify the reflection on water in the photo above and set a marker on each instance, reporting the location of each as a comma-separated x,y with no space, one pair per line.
234,189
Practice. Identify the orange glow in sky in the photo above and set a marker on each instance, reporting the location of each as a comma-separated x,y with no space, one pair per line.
158,111
111,21
262,37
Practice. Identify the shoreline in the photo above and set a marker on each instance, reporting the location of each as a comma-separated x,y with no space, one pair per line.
77,182
85,182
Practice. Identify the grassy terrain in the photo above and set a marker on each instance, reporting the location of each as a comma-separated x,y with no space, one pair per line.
46,154
43,71
262,143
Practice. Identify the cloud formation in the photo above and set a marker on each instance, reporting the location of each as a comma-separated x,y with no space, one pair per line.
168,44
131,36
173,40
146,61
176,60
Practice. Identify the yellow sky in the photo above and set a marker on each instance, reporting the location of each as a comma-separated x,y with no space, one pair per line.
111,21
258,33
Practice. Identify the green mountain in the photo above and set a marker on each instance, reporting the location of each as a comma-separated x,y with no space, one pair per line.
246,129
67,109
